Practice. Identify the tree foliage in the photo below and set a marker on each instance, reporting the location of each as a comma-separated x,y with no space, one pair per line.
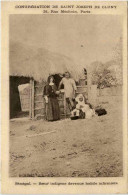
104,79
110,73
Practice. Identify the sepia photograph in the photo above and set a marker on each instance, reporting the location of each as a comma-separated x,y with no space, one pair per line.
65,95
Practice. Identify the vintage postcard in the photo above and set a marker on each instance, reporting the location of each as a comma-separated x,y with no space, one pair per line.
64,97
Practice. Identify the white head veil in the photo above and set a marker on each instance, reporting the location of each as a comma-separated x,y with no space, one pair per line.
80,96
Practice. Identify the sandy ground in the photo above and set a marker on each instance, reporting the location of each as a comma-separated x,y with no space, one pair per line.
81,148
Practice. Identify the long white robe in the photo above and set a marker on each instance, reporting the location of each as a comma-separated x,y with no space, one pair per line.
69,87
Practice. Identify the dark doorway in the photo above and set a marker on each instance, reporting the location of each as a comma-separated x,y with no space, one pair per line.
57,78
15,103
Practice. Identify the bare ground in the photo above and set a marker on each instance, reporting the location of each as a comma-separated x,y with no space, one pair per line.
81,148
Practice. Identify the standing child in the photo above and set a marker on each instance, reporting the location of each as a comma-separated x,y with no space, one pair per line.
70,89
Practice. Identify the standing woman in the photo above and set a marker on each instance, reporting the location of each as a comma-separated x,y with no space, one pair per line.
52,105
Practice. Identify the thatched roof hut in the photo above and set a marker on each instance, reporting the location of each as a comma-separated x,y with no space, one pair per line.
39,63
34,65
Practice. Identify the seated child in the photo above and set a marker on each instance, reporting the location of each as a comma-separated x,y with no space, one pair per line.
82,109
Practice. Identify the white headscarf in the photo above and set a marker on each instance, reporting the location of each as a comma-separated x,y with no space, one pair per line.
78,97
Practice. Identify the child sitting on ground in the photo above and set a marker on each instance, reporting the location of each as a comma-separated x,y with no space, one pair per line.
82,109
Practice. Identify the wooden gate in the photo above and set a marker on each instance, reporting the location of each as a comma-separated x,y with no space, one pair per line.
24,92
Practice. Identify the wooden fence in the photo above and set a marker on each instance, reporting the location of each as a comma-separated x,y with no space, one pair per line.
37,103
110,91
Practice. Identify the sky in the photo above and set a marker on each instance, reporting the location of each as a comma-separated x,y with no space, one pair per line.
83,38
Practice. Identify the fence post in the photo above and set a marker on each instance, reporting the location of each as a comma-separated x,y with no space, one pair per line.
32,99
65,110
30,103
89,82
94,99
